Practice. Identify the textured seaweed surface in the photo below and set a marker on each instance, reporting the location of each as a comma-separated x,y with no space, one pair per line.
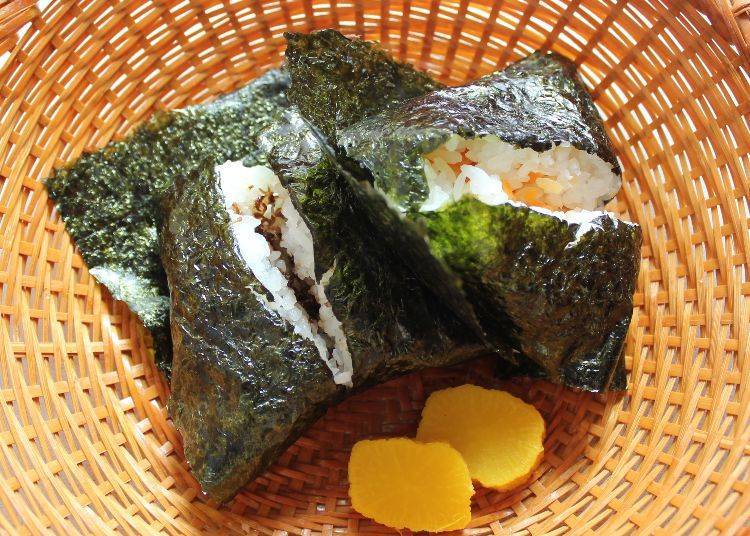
562,305
561,302
244,386
561,299
337,81
109,199
537,102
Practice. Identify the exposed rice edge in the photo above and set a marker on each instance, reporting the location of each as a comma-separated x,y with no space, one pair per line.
580,216
235,182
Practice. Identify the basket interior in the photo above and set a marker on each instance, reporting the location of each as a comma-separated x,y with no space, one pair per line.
86,442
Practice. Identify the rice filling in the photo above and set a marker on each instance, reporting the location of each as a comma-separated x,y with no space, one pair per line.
276,244
560,179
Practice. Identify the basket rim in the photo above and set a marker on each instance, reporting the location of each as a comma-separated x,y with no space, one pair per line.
730,18
719,37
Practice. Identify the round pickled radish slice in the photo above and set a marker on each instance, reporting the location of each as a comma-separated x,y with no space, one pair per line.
500,436
406,484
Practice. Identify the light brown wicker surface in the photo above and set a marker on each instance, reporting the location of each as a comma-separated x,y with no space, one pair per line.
85,442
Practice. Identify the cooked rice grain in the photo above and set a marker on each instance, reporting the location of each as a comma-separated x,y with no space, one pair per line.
560,179
246,191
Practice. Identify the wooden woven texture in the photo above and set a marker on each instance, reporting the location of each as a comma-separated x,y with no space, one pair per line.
85,442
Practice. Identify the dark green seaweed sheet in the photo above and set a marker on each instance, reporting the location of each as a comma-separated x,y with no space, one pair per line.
244,385
561,304
535,103
559,293
337,81
109,199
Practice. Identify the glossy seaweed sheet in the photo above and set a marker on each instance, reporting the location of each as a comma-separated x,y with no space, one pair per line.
109,199
561,301
244,386
336,81
341,80
535,103
560,293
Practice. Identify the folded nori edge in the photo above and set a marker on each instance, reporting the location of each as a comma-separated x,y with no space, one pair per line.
244,386
109,199
534,103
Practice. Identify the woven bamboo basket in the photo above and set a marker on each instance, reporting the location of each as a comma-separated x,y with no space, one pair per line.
86,445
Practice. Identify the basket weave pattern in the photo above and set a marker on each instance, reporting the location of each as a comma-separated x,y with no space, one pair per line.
86,445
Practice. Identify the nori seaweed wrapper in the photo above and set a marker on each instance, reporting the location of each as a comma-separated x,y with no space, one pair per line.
535,103
110,199
336,81
244,386
558,292
563,304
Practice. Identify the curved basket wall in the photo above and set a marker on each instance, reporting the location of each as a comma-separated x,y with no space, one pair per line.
85,442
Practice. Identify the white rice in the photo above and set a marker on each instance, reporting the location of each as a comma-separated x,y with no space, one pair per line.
242,187
561,179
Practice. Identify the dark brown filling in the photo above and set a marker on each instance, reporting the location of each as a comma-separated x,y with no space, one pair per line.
270,229
303,292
